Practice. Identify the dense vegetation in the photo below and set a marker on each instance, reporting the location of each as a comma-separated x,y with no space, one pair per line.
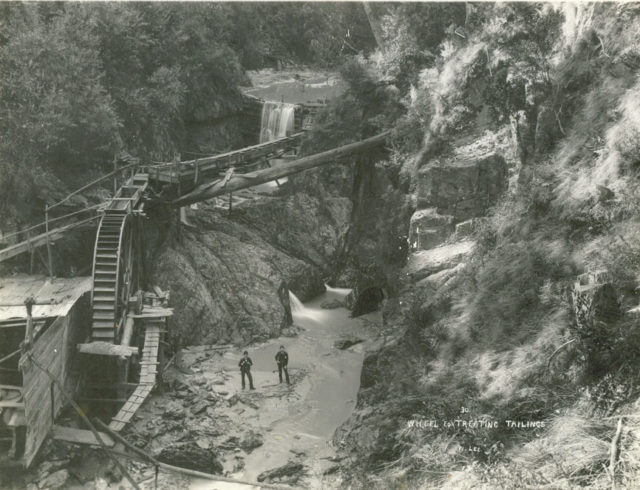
83,83
552,89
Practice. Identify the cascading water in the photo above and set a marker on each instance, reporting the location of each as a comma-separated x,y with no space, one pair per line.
297,308
277,120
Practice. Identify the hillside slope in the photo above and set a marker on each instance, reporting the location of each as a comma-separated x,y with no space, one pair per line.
515,338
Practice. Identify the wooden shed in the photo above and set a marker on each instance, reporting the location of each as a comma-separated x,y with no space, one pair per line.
29,401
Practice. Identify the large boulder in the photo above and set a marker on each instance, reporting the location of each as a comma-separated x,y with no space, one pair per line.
429,229
290,473
192,456
463,188
367,300
251,440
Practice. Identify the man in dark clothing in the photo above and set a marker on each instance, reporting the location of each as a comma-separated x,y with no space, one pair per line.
282,359
245,368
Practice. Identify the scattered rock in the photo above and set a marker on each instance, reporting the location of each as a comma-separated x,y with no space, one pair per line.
173,410
291,331
334,459
51,467
199,407
231,443
203,443
192,456
251,440
331,469
289,473
58,479
331,304
298,452
343,344
249,403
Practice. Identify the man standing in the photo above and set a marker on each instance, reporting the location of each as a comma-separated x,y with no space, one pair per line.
282,359
245,369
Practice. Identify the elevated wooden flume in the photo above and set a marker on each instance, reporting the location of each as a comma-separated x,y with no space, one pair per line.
121,353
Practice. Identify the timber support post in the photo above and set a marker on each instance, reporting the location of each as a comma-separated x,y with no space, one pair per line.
28,335
30,248
46,224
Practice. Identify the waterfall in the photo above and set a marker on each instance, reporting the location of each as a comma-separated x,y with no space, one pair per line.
296,305
277,120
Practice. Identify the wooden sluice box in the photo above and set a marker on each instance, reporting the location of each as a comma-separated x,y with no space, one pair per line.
29,400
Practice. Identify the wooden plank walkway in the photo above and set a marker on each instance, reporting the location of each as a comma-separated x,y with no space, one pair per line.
148,372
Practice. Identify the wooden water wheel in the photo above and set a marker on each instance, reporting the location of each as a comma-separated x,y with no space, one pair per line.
115,275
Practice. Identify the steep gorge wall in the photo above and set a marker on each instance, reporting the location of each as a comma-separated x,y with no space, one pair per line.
225,271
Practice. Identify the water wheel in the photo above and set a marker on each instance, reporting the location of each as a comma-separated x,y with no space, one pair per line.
115,275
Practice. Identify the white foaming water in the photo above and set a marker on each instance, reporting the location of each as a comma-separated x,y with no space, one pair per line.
277,120
300,311
338,291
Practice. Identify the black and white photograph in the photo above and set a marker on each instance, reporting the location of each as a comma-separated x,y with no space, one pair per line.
319,245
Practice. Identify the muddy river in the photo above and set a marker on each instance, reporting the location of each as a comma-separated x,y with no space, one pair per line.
300,420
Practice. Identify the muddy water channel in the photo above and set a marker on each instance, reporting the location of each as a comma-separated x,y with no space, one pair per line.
295,424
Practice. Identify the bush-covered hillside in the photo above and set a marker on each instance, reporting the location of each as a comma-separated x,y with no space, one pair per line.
84,83
503,331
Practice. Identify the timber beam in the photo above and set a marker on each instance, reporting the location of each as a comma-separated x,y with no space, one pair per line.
237,181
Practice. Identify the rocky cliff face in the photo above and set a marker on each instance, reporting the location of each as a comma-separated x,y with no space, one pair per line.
225,272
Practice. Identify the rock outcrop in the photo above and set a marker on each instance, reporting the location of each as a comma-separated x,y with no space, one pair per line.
427,262
429,229
224,280
463,186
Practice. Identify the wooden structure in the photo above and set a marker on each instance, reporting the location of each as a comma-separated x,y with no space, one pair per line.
191,172
234,181
154,329
115,308
115,274
30,402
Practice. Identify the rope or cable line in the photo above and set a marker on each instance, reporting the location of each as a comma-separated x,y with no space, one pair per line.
86,420
95,182
6,358
57,218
